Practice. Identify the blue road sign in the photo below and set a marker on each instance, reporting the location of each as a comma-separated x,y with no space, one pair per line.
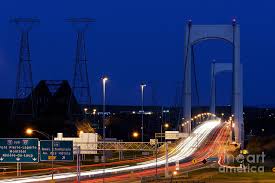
18,150
62,151
213,159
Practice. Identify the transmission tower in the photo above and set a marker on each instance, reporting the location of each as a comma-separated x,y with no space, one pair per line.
23,103
80,83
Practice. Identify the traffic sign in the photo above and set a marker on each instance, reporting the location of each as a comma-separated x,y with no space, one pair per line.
18,150
62,151
194,161
213,159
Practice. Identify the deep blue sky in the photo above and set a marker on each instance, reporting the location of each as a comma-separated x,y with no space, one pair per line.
142,40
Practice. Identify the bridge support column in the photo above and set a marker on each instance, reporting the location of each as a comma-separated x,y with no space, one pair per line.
237,107
187,80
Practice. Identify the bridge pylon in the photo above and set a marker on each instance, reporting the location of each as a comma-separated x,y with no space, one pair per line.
230,33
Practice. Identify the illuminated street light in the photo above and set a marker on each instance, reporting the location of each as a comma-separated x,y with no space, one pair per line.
104,80
85,113
174,173
142,110
166,125
135,134
29,131
81,132
85,109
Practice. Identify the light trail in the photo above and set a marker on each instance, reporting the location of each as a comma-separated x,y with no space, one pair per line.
183,150
210,149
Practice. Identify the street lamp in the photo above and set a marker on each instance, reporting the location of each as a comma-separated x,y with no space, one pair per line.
85,113
165,125
142,110
104,80
80,132
94,121
135,134
85,109
94,111
175,173
29,131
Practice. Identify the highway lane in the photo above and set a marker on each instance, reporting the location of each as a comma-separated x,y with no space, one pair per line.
213,147
183,150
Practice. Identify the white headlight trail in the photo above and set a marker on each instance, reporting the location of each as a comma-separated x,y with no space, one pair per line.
184,149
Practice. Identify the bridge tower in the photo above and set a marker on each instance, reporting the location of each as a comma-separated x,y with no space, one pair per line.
217,68
24,101
80,83
229,33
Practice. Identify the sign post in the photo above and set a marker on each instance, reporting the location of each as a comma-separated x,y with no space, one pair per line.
166,160
18,169
18,150
78,164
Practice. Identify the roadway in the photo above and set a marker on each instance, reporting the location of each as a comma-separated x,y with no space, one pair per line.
212,147
192,147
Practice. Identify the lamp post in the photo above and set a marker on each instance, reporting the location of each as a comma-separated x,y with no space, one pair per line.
166,125
104,80
135,135
94,113
142,110
30,131
85,113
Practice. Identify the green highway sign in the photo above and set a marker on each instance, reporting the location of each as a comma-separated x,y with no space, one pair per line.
18,150
62,150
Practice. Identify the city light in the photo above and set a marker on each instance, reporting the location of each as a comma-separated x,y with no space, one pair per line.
175,173
81,132
104,79
166,125
94,111
29,131
135,134
143,85
85,109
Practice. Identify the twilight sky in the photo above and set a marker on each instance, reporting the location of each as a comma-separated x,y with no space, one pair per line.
142,40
